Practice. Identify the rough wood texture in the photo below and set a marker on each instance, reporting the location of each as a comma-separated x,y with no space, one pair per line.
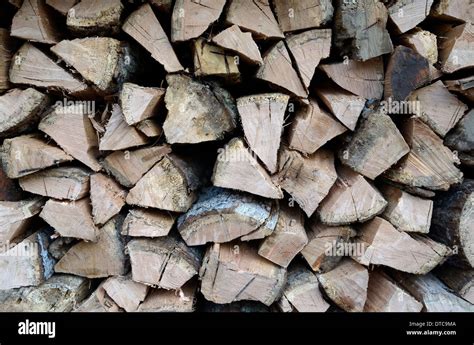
406,14
236,272
220,215
147,223
139,103
125,292
453,10
164,262
461,138
351,199
454,48
62,6
190,19
174,301
266,228
95,17
296,15
463,87
149,128
211,60
5,58
107,197
423,42
98,302
459,280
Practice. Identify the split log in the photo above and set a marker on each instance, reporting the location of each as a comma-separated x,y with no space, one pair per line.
26,154
220,215
62,6
125,292
464,87
307,49
384,295
59,246
236,272
288,239
27,263
149,128
429,164
267,228
455,48
453,10
239,42
461,138
60,293
128,167
107,197
20,110
301,292
262,118
71,129
254,16
99,259
191,19
351,199
98,302
362,78
435,296
143,26
236,168
211,60
360,31
5,58
296,15
71,218
118,134
312,127
34,22
382,244
210,107
375,146
70,183
139,103
441,110
323,251
31,66
170,185
459,280
147,223
407,212
423,42
278,70
9,190
346,285
452,222
406,14
15,217
93,17
171,301
164,262
307,179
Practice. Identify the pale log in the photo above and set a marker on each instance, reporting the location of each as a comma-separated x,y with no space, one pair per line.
423,42
107,197
211,60
296,15
147,223
406,14
266,228
171,301
125,292
95,17
455,48
453,10
98,302
139,103
149,128
62,6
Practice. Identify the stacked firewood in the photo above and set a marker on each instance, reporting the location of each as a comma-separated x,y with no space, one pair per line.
236,155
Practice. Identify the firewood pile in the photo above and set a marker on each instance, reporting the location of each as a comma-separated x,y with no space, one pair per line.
236,155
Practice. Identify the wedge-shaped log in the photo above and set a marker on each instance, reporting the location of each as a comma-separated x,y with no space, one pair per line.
150,128
211,60
95,17
107,197
139,103
125,292
423,42
62,6
296,15
454,52
147,223
449,10
406,14
171,301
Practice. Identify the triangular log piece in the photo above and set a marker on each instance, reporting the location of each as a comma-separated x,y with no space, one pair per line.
142,222
384,295
190,18
149,128
262,118
346,285
267,228
221,215
197,112
5,58
278,70
239,42
28,263
364,79
71,129
440,109
139,103
100,259
312,127
235,272
211,60
15,217
107,197
288,239
453,10
129,166
326,245
145,28
382,244
171,301
429,164
296,15
375,146
31,66
35,22
254,16
98,302
62,6
164,262
423,42
95,17
406,14
360,29
302,292
20,110
236,168
26,154
125,292
351,199
119,135
70,183
458,279
454,48
308,48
